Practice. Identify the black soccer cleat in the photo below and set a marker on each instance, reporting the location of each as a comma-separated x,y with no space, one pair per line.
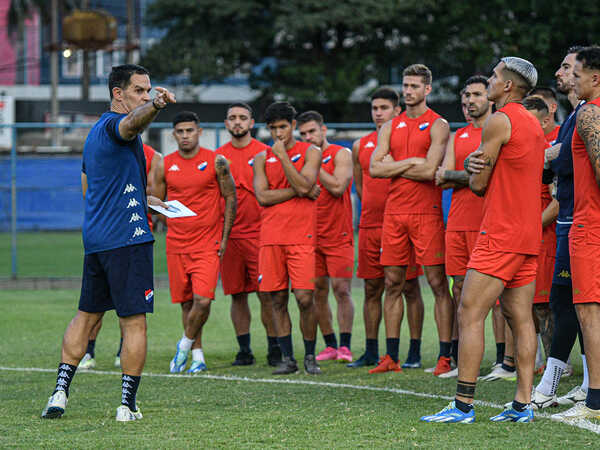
286,366
310,365
244,359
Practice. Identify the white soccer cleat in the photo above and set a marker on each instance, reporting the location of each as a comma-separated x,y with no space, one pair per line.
575,395
87,362
452,374
429,370
124,414
56,406
541,401
499,374
576,413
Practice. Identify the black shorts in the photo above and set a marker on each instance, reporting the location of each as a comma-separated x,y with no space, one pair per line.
562,264
120,279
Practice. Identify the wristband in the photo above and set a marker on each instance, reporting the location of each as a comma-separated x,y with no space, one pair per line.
157,107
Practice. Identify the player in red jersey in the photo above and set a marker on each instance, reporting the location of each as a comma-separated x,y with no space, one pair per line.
549,124
285,183
415,142
584,237
372,193
466,210
506,169
335,237
198,178
152,160
239,265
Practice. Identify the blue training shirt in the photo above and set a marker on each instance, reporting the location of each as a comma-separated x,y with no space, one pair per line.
562,166
115,201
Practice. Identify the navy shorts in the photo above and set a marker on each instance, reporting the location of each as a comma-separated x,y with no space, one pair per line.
562,264
120,279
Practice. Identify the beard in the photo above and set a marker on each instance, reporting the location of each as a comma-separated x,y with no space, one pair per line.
239,134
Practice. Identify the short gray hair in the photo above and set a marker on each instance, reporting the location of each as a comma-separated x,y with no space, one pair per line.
522,67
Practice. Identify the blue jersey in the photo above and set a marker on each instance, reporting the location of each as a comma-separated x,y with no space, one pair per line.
115,201
562,166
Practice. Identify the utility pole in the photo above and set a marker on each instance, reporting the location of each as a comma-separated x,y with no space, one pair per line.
54,71
130,40
85,75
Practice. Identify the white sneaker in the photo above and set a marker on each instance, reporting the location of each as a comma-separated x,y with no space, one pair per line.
575,395
567,372
540,401
117,361
87,362
430,370
56,406
577,412
452,374
499,374
124,414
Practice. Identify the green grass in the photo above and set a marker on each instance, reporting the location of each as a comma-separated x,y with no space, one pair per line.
199,412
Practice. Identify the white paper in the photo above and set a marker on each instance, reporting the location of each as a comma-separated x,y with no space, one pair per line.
176,209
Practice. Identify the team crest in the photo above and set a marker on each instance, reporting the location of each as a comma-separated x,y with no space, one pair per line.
259,278
327,159
202,165
423,126
149,294
251,162
296,157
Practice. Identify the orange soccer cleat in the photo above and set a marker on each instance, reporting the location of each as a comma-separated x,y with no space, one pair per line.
386,364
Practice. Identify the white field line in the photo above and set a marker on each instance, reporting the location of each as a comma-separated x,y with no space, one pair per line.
583,424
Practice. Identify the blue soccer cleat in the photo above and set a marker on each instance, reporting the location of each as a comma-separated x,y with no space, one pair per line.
179,360
451,414
512,415
197,366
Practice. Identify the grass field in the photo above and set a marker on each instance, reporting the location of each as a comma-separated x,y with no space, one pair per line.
239,407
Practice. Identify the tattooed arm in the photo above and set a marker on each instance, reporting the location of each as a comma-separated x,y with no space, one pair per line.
445,176
495,133
588,127
227,188
137,120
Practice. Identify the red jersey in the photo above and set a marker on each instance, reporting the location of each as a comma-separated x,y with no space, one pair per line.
194,183
551,137
295,220
149,154
512,209
334,214
586,210
411,137
374,190
466,208
247,218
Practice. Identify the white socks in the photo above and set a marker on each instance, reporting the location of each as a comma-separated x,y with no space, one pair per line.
198,354
586,378
551,377
185,343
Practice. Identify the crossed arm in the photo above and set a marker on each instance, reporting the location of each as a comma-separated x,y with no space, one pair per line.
588,127
446,177
337,182
227,188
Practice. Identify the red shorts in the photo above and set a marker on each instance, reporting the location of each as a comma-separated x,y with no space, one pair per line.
514,269
423,232
277,264
459,246
584,248
369,253
192,273
334,261
239,267
543,281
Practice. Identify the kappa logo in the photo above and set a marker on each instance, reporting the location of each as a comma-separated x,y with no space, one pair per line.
369,145
401,125
138,232
202,165
423,126
135,217
251,162
564,274
65,367
296,157
127,378
62,373
129,189
272,159
132,203
127,385
126,391
174,168
61,382
327,159
149,294
464,135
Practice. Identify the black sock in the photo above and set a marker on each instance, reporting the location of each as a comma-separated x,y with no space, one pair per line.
330,340
454,350
445,349
592,400
345,339
65,375
392,345
500,346
91,347
309,347
272,342
518,406
129,387
120,347
285,343
372,347
508,368
414,350
244,342
462,406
